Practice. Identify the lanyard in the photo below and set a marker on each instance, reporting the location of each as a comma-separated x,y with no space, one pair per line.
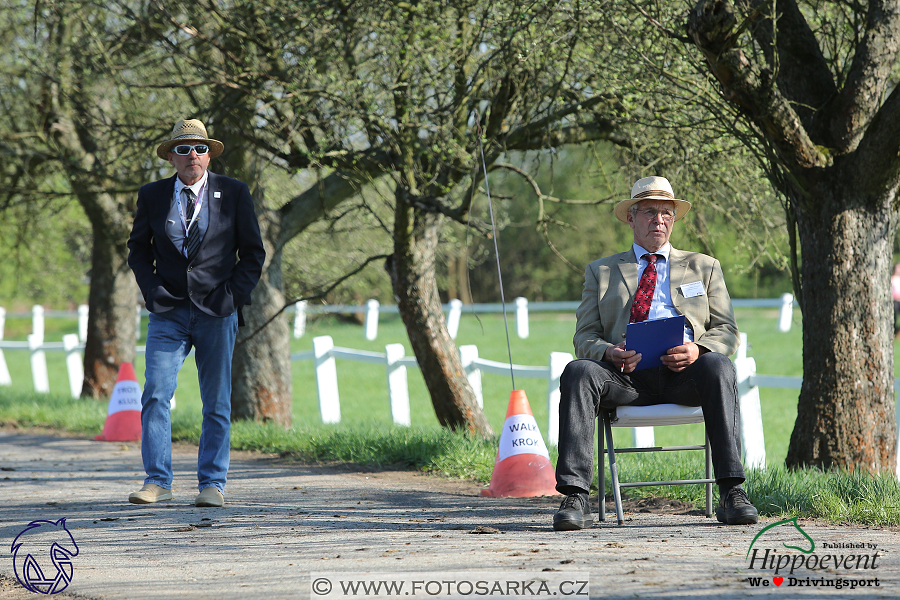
198,204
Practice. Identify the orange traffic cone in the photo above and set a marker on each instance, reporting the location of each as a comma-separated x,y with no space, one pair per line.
522,466
123,419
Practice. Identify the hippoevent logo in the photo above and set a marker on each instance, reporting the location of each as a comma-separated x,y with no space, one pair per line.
42,556
776,562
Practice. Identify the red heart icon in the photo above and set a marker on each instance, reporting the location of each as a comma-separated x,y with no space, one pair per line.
778,580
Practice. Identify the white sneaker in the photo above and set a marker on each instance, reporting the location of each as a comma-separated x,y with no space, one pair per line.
210,496
150,494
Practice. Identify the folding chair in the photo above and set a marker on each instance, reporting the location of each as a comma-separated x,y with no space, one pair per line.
647,416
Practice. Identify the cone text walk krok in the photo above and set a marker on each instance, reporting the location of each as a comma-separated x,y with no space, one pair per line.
522,466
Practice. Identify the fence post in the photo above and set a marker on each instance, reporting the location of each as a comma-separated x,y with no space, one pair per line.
752,440
137,323
453,317
37,322
371,319
4,370
299,319
398,387
73,363
522,317
558,362
786,314
38,364
82,321
326,379
468,355
643,437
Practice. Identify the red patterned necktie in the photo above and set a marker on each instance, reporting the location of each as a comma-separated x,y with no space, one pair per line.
640,308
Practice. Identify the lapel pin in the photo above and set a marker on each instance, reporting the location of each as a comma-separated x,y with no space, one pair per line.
217,194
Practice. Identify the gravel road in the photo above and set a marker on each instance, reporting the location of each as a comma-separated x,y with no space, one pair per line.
286,524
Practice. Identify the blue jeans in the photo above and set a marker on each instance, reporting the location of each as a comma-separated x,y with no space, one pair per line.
170,337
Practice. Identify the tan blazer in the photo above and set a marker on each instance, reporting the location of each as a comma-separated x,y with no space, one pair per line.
609,287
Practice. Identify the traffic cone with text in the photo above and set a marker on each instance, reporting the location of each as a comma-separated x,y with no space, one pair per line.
123,418
522,467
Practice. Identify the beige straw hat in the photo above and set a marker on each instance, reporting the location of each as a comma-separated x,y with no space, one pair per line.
190,130
651,188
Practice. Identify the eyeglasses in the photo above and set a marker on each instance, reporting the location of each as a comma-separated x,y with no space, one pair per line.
184,150
650,213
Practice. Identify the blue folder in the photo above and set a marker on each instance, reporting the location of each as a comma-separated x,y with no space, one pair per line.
651,339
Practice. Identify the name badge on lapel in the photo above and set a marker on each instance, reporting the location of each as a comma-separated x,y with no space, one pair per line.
217,194
695,288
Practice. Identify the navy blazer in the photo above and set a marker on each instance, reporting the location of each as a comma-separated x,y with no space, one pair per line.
227,266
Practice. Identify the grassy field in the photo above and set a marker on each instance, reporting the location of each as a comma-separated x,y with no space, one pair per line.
363,387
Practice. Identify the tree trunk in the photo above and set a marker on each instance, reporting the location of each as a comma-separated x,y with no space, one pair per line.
112,301
261,370
413,278
845,415
261,385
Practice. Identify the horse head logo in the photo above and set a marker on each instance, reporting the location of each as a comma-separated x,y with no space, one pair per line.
812,544
42,556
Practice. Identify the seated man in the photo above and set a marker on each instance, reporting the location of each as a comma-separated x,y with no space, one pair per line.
651,280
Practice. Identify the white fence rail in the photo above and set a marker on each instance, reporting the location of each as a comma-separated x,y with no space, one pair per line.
325,355
372,309
520,308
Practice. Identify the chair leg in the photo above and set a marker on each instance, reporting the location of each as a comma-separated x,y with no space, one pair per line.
708,476
613,471
601,463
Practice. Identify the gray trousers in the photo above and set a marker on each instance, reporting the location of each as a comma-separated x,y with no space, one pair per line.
588,385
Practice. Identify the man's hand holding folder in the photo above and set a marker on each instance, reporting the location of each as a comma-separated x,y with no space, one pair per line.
653,343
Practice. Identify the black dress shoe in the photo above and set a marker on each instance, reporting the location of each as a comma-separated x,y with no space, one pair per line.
570,515
735,508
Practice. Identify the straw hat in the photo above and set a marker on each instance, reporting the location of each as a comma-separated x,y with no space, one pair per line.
651,188
190,130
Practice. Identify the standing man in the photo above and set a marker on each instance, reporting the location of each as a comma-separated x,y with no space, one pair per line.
196,253
666,282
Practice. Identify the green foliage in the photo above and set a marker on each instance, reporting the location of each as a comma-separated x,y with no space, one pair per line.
545,244
47,256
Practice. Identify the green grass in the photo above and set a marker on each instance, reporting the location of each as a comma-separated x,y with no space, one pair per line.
367,436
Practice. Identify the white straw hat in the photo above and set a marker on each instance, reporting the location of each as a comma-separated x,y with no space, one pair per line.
190,130
651,188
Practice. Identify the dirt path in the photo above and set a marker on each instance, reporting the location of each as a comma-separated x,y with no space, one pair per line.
285,525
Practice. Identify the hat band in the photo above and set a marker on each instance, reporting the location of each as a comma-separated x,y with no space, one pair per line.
189,136
653,193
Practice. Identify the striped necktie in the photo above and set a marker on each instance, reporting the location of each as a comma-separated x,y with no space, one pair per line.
192,238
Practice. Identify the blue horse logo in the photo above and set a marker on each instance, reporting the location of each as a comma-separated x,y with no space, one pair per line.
36,543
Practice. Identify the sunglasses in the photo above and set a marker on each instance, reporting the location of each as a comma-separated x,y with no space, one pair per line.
184,150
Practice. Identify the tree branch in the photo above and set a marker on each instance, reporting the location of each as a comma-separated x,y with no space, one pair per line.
869,74
321,294
303,210
710,26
